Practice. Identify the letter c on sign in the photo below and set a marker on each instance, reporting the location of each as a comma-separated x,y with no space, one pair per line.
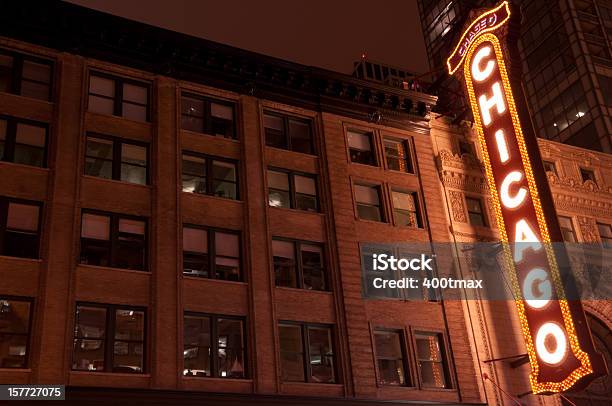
555,355
478,74
512,202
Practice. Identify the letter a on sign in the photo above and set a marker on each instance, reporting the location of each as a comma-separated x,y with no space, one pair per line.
560,348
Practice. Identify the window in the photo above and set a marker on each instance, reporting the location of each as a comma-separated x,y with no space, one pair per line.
432,365
306,353
15,324
209,176
406,209
390,358
587,174
288,133
115,96
113,240
211,253
25,75
466,148
475,211
361,149
19,228
207,116
292,190
397,155
109,338
368,202
605,234
23,142
567,229
111,158
298,264
214,346
550,166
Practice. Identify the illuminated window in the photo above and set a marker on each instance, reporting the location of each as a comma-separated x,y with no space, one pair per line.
406,209
113,240
23,142
605,234
25,75
292,190
214,346
361,149
298,264
306,353
209,253
19,228
567,229
15,322
398,155
390,358
475,211
206,116
367,199
431,360
112,158
209,176
550,166
587,174
294,134
115,96
109,338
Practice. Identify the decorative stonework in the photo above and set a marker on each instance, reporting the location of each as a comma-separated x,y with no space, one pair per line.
584,205
588,229
463,181
457,204
466,162
491,211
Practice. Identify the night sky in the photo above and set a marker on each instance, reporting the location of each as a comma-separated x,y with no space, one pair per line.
331,34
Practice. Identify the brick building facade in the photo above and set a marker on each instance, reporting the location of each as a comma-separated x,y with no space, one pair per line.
181,221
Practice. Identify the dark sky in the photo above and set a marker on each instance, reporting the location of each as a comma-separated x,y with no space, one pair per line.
327,33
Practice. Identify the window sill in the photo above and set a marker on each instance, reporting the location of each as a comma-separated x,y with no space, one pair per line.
44,169
366,165
288,289
106,373
197,278
199,134
94,113
278,149
48,102
200,195
16,370
117,182
447,390
110,268
31,260
318,213
216,379
374,222
384,387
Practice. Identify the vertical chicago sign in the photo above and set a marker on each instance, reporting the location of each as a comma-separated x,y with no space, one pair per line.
558,341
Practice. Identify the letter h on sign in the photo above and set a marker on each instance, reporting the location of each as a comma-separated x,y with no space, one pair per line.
560,348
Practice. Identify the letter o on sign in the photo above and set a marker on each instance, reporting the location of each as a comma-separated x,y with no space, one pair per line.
557,354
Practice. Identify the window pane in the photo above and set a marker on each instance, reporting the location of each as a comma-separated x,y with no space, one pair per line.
31,135
134,111
35,90
403,201
291,347
22,217
38,72
197,342
473,205
197,331
367,194
388,344
135,93
134,174
273,122
134,154
129,325
90,322
13,351
275,131
227,245
192,107
14,317
432,374
2,137
6,73
99,148
312,255
359,141
305,185
301,139
95,226
195,240
390,358
230,348
397,157
224,171
283,253
101,86
128,357
101,105
88,355
321,355
131,226
278,180
221,111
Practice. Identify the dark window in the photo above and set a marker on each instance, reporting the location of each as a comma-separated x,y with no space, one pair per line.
567,229
209,176
207,116
109,338
113,240
361,149
288,133
466,148
475,211
112,158
292,190
298,264
115,96
367,199
15,324
550,166
398,155
19,228
587,174
214,346
211,253
23,142
432,365
306,353
605,234
24,75
406,209
390,358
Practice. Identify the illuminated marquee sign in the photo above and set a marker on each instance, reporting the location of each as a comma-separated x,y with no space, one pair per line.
559,345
